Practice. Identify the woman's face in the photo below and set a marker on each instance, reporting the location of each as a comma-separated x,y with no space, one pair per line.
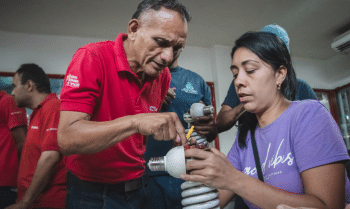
255,81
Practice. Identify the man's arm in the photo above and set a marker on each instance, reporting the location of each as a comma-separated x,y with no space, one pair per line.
227,117
41,178
19,134
230,111
78,135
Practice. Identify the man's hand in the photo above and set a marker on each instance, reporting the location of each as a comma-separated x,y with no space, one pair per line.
163,126
19,205
205,125
170,96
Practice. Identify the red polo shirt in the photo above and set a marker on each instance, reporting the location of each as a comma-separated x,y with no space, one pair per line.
11,116
42,136
99,82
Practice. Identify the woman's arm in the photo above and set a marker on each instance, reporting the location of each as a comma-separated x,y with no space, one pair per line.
324,185
225,196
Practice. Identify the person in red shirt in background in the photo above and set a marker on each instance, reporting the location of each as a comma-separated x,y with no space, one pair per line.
111,96
41,176
13,130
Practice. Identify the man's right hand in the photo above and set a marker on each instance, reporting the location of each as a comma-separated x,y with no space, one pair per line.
162,126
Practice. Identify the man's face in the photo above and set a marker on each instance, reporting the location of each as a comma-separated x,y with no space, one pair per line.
19,92
159,40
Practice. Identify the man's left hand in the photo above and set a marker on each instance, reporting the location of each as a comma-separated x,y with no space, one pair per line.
205,125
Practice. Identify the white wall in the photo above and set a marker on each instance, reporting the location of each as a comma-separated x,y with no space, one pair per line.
223,75
197,59
324,74
338,70
53,54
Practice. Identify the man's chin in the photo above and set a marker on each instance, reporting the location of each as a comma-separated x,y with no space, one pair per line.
19,105
154,72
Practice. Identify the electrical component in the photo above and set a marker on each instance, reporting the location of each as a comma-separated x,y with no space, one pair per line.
196,195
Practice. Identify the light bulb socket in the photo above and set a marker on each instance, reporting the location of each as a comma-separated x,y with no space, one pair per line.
157,164
207,110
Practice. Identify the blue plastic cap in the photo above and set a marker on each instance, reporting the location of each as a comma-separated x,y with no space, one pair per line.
278,31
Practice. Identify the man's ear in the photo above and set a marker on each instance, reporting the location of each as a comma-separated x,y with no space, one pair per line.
133,27
29,85
280,74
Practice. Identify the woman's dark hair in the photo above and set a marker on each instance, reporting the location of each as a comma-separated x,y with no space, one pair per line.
173,5
272,50
36,74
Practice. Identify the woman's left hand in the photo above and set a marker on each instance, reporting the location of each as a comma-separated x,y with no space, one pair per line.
211,168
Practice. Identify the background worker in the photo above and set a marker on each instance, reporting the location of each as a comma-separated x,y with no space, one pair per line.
13,130
41,176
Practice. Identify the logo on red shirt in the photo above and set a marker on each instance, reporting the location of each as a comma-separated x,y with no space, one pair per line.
153,109
14,113
72,81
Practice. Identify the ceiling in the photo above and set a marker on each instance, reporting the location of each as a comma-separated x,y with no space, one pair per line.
311,24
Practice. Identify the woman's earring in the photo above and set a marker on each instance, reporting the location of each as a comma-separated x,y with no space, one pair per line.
279,86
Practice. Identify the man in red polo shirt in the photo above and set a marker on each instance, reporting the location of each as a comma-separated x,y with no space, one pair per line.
41,176
110,99
13,129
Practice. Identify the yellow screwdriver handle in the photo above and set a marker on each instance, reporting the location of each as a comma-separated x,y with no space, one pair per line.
189,132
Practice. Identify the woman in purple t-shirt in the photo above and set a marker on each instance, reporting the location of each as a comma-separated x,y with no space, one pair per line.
301,150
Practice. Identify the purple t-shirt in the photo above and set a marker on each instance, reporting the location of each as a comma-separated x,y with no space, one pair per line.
303,137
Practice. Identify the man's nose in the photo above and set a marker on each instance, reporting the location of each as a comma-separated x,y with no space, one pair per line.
167,55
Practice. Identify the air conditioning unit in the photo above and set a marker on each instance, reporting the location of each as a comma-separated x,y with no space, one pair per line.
342,43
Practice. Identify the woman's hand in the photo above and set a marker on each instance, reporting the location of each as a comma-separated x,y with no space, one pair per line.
210,168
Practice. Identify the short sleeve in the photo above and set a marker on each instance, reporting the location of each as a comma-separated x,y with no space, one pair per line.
304,91
51,117
15,116
82,82
233,155
231,97
206,94
317,137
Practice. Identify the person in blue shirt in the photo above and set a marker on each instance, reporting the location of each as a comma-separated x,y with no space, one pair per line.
186,88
